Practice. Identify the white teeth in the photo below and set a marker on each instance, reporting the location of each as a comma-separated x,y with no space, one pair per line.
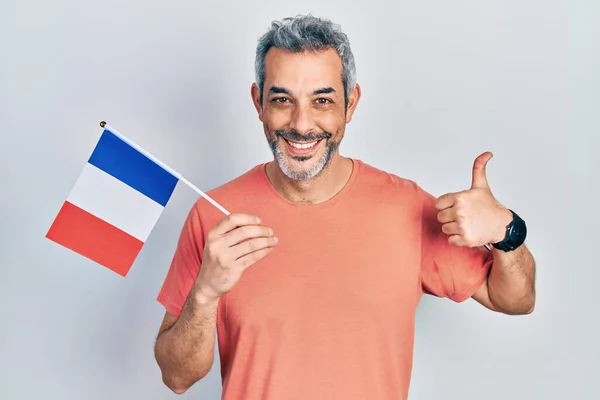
302,145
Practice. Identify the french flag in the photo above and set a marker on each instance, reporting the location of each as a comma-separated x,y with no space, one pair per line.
114,204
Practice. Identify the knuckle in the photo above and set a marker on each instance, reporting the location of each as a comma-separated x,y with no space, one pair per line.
238,218
212,247
469,238
247,231
221,260
257,255
232,218
232,237
211,236
247,261
252,244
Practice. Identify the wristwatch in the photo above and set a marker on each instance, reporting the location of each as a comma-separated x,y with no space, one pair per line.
516,231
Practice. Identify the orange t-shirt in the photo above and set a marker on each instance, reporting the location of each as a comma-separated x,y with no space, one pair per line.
330,313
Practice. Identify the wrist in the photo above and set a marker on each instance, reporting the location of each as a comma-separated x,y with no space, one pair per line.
203,298
505,218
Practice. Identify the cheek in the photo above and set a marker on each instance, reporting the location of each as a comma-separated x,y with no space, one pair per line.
332,123
277,118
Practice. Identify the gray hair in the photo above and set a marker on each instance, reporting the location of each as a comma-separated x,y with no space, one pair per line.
306,33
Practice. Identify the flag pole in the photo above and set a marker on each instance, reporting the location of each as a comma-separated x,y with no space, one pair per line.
104,125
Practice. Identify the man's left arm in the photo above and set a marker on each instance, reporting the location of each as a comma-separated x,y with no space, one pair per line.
474,218
510,285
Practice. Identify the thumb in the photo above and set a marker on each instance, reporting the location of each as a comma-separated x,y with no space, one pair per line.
479,177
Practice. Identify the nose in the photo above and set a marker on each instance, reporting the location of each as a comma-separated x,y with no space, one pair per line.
302,121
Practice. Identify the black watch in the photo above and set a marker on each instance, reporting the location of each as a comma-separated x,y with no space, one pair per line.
516,231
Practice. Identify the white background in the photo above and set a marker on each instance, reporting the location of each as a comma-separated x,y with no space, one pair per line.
442,82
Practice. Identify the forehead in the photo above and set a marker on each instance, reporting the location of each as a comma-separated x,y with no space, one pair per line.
303,71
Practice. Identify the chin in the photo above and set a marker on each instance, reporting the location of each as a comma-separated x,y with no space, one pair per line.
302,168
299,172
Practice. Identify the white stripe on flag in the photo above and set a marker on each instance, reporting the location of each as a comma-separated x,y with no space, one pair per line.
115,202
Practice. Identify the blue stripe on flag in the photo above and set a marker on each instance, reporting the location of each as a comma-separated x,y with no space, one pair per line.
117,158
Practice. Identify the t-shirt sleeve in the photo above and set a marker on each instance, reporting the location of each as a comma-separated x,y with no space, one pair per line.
185,264
446,270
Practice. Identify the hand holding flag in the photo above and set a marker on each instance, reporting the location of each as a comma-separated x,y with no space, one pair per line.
115,203
237,242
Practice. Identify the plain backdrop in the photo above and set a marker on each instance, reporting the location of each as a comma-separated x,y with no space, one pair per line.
442,82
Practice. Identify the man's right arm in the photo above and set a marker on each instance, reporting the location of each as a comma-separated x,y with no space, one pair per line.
184,347
185,344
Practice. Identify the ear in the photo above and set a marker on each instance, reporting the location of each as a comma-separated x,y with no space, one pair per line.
353,98
255,94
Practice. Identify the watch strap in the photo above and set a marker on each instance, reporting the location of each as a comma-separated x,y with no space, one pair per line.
508,244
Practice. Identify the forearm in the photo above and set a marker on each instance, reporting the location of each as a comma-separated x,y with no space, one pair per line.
511,283
185,352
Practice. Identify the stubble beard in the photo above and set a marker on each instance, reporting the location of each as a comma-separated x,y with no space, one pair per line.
275,143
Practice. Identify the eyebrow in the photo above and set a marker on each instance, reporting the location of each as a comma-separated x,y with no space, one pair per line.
282,90
325,90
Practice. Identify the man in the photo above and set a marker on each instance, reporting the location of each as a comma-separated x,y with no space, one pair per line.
312,283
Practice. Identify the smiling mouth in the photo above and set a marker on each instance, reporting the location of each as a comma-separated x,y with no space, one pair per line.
304,145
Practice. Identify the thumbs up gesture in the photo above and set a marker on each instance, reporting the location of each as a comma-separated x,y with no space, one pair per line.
473,217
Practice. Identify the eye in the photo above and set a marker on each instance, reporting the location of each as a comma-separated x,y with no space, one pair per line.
323,100
280,100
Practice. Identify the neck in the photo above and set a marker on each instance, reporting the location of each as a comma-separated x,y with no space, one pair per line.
312,191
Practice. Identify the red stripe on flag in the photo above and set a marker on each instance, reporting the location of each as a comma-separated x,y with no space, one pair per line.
94,238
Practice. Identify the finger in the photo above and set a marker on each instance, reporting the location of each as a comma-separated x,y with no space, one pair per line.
233,221
451,228
240,234
479,179
456,240
252,258
447,215
252,245
445,201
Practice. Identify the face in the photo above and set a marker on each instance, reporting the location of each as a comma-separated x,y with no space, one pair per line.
303,110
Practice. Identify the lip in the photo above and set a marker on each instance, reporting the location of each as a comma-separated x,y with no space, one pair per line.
302,152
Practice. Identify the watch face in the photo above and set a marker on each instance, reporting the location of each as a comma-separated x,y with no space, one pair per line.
515,237
518,232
